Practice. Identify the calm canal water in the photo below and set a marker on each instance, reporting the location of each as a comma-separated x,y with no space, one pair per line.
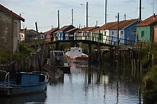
94,85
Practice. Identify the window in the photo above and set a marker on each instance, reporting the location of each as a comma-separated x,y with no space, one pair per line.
142,33
105,33
121,32
133,32
113,33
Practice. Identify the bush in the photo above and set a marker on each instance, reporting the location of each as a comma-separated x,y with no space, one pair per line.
150,83
4,56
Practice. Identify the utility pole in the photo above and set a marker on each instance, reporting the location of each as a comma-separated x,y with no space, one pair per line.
86,14
153,6
105,11
124,16
72,16
96,24
140,10
118,30
58,20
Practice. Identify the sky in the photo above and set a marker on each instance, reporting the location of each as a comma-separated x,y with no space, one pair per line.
44,12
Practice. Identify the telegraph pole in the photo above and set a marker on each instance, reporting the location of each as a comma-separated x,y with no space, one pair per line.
118,30
72,16
140,10
105,12
86,14
58,20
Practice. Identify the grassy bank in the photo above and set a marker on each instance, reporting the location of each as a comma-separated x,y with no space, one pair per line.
150,78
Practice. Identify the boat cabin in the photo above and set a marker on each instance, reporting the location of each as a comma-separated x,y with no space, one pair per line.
57,58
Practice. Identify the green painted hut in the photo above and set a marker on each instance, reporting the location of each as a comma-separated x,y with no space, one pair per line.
145,29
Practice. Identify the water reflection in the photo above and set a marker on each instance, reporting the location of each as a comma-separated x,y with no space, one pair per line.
96,84
25,99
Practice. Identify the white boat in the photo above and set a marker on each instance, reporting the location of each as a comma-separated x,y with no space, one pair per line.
75,55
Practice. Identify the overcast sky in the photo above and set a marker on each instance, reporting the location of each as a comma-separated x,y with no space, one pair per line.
44,12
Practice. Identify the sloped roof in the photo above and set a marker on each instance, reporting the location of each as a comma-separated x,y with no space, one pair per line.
108,25
95,30
63,28
123,24
11,12
72,30
51,30
87,29
30,32
148,21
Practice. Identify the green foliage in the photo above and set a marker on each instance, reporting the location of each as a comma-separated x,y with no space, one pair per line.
24,49
150,79
152,74
154,57
144,56
4,56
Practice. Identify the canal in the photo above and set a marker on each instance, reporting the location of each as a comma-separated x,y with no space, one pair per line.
97,84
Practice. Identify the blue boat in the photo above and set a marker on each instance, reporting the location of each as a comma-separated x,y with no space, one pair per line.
23,83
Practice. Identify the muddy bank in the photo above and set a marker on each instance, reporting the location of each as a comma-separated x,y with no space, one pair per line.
55,74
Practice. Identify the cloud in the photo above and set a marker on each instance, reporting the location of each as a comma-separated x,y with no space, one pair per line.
130,1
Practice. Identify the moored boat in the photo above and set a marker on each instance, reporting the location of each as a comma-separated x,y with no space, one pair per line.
75,55
23,83
59,60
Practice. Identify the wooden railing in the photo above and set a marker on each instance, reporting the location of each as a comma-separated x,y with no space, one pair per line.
110,40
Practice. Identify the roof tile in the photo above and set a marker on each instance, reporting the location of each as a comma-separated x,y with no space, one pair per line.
148,21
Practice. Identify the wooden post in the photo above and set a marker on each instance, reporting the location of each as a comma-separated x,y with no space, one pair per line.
57,45
89,64
89,55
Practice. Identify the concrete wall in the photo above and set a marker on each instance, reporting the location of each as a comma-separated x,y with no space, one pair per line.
5,31
9,32
16,34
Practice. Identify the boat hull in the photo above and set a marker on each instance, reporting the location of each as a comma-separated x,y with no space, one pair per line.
16,90
76,55
77,59
23,83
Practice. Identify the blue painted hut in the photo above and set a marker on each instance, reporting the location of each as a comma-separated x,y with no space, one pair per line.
60,34
127,31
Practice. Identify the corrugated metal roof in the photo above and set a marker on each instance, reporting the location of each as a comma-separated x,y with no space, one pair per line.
11,12
148,21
